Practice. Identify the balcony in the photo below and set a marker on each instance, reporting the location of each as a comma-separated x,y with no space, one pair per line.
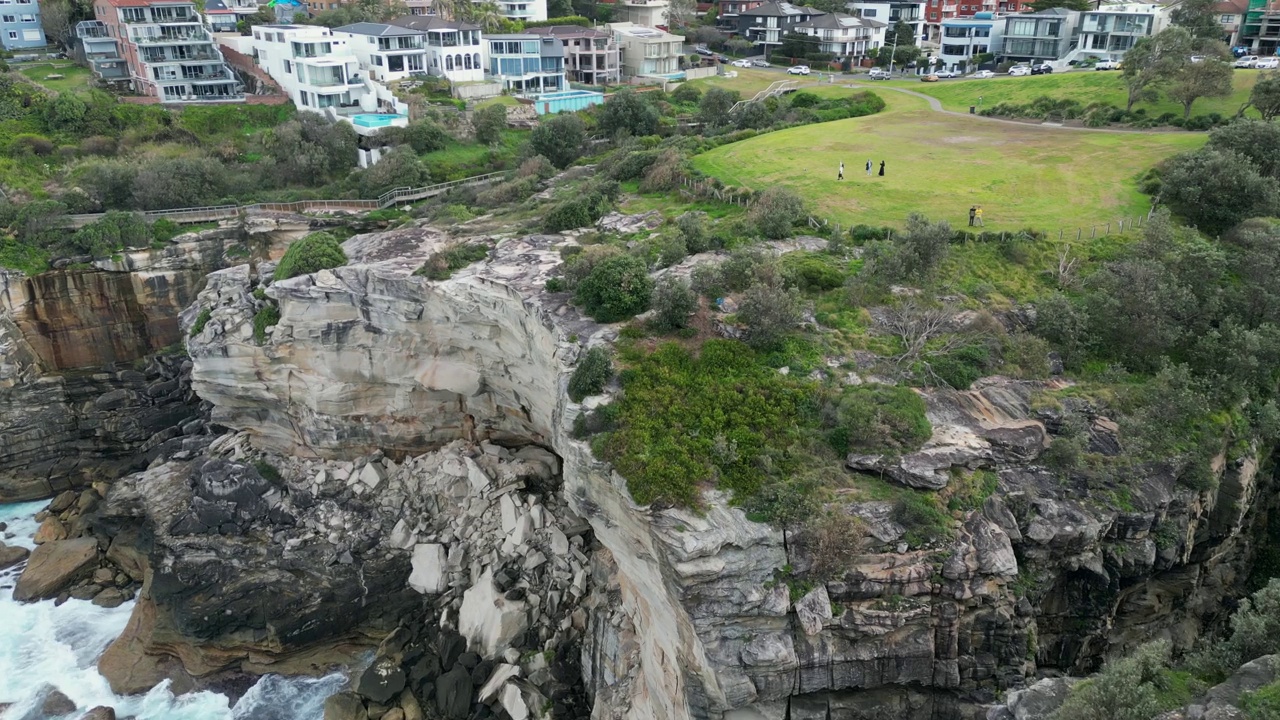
172,38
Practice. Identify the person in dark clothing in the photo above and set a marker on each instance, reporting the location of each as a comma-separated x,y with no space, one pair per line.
868,168
973,211
881,168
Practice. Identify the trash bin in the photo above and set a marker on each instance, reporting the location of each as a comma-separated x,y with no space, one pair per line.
973,110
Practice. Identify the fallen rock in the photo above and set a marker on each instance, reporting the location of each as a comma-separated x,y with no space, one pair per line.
10,556
429,565
55,704
814,610
344,706
382,681
53,566
101,712
1039,700
63,501
489,620
513,702
51,530
501,673
110,598
453,693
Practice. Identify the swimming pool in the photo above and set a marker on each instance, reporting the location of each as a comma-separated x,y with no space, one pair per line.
566,100
566,94
375,120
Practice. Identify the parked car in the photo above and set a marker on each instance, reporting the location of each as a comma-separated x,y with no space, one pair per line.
741,63
760,63
1042,69
948,73
703,51
879,74
983,75
1271,63
929,78
1019,70
1248,61
1107,65
722,58
798,70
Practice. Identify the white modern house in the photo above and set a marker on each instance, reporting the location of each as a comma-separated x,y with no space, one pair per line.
652,13
1111,30
454,49
387,52
846,36
527,64
523,10
647,51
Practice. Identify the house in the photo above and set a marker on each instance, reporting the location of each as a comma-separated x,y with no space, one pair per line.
1109,31
526,64
890,13
1231,14
168,51
386,52
964,38
1038,37
20,25
523,10
95,47
1261,31
845,36
647,51
454,49
727,15
420,7
766,23
591,56
316,69
650,13
222,15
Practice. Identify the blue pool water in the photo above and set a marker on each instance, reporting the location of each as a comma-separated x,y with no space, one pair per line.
566,100
566,94
374,120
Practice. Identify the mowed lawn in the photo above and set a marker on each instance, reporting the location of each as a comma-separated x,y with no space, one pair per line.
74,78
938,164
1084,86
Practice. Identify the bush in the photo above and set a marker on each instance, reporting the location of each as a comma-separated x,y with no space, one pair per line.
1255,631
559,139
441,265
811,272
312,253
617,288
776,212
959,368
593,372
425,136
686,93
582,210
267,317
913,254
1126,689
768,314
201,320
489,122
693,229
878,419
673,302
630,112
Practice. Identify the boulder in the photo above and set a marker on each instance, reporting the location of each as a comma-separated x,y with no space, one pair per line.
429,569
55,565
1040,700
50,530
63,501
382,681
410,707
453,693
101,712
489,620
110,598
513,702
502,672
344,706
56,704
814,610
10,556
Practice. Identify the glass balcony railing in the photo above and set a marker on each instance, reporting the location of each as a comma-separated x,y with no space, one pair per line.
169,38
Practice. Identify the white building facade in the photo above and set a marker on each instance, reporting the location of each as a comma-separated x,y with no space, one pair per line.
455,50
316,69
387,52
1110,31
845,36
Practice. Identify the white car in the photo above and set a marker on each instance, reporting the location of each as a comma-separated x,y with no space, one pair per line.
947,73
879,74
798,70
1248,61
1107,65
1019,70
742,63
758,62
1271,63
983,75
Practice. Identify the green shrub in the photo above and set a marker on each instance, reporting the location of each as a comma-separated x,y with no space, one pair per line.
267,317
923,519
268,472
311,253
879,419
673,302
768,314
776,212
1264,704
576,212
593,372
201,320
959,368
441,265
811,272
1125,689
617,288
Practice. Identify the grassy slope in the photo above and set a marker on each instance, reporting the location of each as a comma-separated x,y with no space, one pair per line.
1022,175
1085,86
74,78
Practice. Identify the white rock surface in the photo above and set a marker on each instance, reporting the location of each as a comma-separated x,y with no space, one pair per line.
429,569
489,620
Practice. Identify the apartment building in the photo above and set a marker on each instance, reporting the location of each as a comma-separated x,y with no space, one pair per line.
650,13
20,25
647,51
1109,31
387,52
890,13
591,56
316,69
523,10
1261,31
96,48
766,23
222,15
526,64
1230,15
846,36
964,38
169,53
454,49
1038,37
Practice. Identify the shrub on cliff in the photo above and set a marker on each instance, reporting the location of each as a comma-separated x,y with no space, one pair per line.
673,302
201,320
267,317
441,265
617,288
593,372
768,314
878,418
1133,688
314,252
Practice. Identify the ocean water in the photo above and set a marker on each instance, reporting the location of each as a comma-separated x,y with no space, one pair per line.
43,645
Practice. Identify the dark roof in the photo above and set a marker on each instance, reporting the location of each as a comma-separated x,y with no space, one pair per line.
568,31
1233,7
780,9
216,6
431,22
378,29
839,21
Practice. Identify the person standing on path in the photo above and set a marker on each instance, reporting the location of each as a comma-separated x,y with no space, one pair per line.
973,213
840,175
868,168
978,216
882,169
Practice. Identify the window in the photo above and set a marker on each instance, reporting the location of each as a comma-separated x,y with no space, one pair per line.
1228,19
288,67
8,18
467,61
448,62
475,60
13,35
24,2
28,18
33,36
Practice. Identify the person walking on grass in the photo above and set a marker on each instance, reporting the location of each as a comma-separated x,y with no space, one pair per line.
881,168
868,168
973,214
978,216
840,175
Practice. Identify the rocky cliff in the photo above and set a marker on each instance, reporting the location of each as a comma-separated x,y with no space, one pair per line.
696,615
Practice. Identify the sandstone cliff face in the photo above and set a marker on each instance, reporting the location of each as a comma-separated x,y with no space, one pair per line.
691,615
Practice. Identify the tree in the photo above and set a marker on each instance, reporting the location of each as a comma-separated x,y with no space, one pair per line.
1256,140
593,372
673,302
485,14
713,109
1216,189
1127,689
559,8
768,313
913,254
178,183
398,167
58,17
489,122
1153,61
617,288
1211,77
776,212
680,13
559,139
309,146
628,111
424,136
708,36
311,253
739,46
795,45
1265,96
1197,18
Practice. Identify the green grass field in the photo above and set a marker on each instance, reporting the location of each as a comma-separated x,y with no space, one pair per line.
74,78
1087,87
939,165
